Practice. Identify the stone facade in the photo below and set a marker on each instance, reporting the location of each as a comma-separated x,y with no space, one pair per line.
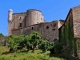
32,20
73,19
48,30
21,20
76,21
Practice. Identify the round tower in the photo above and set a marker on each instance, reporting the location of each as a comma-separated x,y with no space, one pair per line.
10,12
34,17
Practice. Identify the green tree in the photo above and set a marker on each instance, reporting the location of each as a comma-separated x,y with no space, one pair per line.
50,45
43,45
1,35
28,42
21,41
12,43
32,40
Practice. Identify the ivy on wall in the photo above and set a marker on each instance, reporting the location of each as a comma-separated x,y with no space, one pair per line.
66,37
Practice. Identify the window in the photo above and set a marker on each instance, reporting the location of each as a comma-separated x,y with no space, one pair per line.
32,28
20,18
53,29
20,24
54,25
47,27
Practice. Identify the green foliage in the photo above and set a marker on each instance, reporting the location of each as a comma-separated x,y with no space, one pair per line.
75,47
58,48
31,42
67,38
1,35
50,45
13,42
28,42
23,55
43,45
21,41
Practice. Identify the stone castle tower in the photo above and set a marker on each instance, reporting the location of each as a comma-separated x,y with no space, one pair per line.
24,19
32,20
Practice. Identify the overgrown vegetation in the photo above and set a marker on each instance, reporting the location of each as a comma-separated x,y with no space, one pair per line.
33,47
31,42
66,38
1,35
30,47
24,55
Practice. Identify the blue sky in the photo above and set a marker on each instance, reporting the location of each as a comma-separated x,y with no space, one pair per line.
51,9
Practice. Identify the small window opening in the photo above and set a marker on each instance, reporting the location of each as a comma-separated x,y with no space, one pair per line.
20,18
47,27
53,29
20,25
54,25
32,28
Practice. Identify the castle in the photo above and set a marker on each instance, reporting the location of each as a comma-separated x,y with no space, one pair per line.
33,20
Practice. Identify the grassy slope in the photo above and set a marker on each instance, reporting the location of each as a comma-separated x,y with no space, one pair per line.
23,55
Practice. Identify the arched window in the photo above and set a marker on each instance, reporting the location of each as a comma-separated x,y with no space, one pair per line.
20,18
47,27
32,27
20,24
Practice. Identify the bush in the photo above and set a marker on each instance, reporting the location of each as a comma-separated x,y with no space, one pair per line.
57,48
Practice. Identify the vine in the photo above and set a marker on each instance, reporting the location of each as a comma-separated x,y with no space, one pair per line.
67,37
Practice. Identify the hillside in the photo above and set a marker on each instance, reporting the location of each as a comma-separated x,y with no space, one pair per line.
24,55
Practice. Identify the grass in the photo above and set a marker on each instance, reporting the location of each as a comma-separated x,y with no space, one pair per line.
24,55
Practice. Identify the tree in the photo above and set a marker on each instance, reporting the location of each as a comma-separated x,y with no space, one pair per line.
28,42
43,45
50,45
1,35
13,43
21,41
32,40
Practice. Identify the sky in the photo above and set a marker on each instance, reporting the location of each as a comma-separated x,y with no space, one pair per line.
51,9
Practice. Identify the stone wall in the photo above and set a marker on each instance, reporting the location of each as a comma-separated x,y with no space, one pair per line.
17,19
76,21
34,17
21,20
48,30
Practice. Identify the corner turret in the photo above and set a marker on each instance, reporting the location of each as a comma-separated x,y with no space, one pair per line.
10,12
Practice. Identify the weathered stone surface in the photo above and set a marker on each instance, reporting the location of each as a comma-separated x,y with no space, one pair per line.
49,31
33,20
76,21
